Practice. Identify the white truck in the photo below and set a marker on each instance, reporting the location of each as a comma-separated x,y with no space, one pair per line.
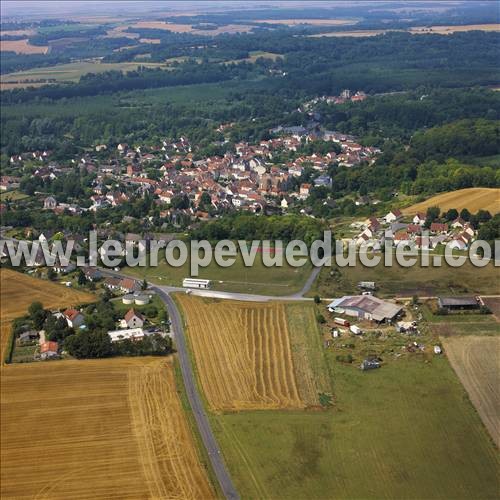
356,330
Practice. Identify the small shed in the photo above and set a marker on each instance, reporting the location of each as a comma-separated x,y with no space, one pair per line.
458,303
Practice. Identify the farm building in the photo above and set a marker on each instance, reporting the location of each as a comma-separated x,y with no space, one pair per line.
370,364
365,307
196,283
92,274
458,303
129,333
128,285
112,283
48,350
27,337
125,285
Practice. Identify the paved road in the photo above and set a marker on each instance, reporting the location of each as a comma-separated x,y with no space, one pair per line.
217,294
202,422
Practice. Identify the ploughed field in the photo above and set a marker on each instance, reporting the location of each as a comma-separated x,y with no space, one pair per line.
248,357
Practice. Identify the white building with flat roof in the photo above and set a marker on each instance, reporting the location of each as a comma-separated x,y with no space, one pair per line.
128,333
196,283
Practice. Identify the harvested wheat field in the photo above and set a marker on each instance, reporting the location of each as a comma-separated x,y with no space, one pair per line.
18,291
448,30
311,22
22,47
96,429
187,28
476,361
473,199
244,355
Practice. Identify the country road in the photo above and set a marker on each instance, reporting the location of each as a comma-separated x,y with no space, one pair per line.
194,398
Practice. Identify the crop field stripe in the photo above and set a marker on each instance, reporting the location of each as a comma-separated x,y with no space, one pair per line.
167,463
116,424
243,354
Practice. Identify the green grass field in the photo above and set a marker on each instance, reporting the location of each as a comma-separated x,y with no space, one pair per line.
408,281
407,430
257,279
72,72
154,302
14,195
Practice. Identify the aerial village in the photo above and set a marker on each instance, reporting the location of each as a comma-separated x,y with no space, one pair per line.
248,179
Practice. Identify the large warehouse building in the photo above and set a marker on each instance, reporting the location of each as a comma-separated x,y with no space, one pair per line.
365,307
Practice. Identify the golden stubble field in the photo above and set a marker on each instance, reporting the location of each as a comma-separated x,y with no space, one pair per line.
476,361
473,199
416,30
22,47
245,357
18,291
187,28
111,428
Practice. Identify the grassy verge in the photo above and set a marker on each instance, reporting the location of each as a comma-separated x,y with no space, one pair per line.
408,281
10,346
202,452
257,279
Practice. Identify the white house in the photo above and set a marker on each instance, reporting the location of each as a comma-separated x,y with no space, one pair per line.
393,216
419,219
132,319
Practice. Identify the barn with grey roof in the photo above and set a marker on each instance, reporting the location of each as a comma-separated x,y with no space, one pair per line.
366,307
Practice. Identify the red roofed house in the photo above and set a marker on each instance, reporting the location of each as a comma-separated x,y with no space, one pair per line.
133,319
73,317
414,229
304,190
128,285
439,227
374,224
458,223
49,350
401,238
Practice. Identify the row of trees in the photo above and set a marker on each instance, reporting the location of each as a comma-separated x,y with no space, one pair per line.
247,227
